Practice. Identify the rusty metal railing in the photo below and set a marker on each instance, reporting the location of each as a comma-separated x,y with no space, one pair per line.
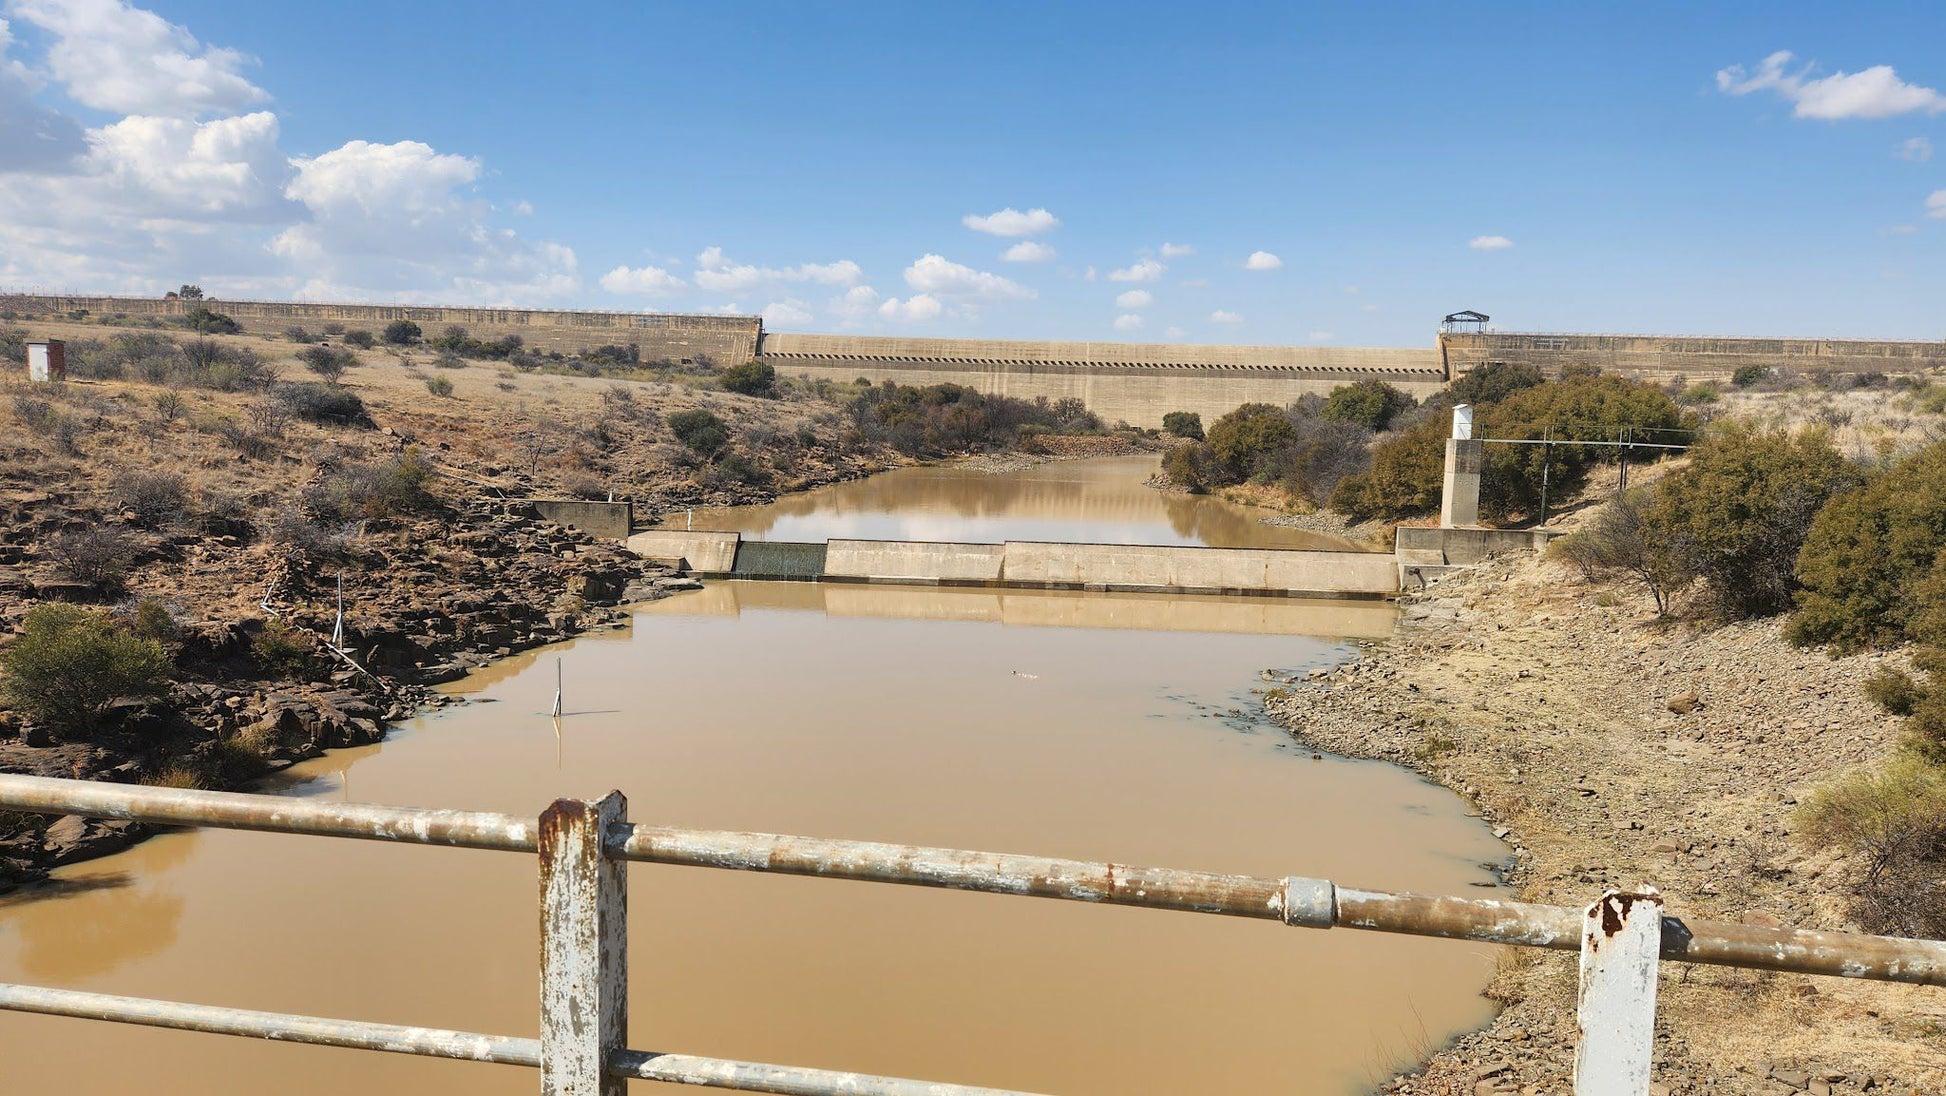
585,846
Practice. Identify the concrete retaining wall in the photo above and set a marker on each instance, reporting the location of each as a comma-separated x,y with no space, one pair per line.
1240,570
710,553
915,561
1467,544
614,520
680,339
1661,357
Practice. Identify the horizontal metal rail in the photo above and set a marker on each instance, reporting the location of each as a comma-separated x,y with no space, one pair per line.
1294,900
507,1050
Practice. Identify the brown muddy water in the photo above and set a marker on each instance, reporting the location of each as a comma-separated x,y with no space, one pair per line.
1084,725
1100,500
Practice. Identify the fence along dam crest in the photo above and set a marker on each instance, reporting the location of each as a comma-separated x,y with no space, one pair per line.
1136,383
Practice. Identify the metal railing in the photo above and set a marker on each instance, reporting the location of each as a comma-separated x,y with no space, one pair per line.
585,846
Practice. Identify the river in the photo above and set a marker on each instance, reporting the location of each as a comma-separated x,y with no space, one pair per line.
1096,726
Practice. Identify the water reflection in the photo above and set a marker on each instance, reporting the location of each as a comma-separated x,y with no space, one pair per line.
1046,608
1100,500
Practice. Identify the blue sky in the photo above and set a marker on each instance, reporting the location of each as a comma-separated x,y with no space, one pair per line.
838,167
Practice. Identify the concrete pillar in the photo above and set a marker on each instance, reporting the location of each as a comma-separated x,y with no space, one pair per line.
1459,499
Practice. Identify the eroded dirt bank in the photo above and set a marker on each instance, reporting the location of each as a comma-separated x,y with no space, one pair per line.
1615,751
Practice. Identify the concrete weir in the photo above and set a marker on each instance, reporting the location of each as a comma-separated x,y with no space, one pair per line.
1035,565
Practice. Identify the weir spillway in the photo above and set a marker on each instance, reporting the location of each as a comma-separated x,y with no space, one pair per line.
1032,565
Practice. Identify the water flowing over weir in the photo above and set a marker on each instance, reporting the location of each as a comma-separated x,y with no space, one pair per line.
1084,725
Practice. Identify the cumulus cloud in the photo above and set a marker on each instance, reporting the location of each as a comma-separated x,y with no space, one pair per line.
1012,222
387,219
1262,260
1322,336
1915,149
937,275
115,57
1936,204
1148,270
1028,251
717,273
1876,92
1128,321
856,305
1176,251
1135,298
789,312
643,281
1489,243
1173,332
1221,316
914,309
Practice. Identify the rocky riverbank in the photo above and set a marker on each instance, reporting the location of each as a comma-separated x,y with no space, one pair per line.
1611,749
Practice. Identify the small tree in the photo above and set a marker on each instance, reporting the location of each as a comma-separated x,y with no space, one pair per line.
402,332
328,362
98,555
190,293
1372,404
1183,424
752,378
68,664
361,339
1867,552
210,323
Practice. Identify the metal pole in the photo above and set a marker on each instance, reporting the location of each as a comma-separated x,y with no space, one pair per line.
557,689
1547,451
1621,935
584,948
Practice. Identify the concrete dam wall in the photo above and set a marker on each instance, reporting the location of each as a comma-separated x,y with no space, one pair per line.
1036,565
679,339
1136,383
1665,357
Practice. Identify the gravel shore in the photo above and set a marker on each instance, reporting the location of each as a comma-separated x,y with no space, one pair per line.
1613,749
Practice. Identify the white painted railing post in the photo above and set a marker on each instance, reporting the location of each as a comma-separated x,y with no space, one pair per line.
584,948
1621,943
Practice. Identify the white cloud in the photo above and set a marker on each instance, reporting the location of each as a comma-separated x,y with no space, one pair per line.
1128,321
646,281
1194,283
172,166
1028,251
1936,204
1903,230
1135,298
855,306
1876,92
1262,260
114,57
1090,275
1915,149
1012,222
789,312
1489,243
387,221
914,309
1220,316
1322,336
1368,308
935,274
1176,251
718,274
1148,270
1173,332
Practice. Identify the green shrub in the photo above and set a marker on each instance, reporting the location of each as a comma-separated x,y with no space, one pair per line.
1493,382
380,489
702,432
1747,375
1191,467
1892,823
363,340
1242,441
1703,392
322,404
1372,404
1738,514
1183,424
328,362
282,650
1622,540
440,386
1867,552
752,378
68,664
402,332
299,335
1406,474
1893,690
210,323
